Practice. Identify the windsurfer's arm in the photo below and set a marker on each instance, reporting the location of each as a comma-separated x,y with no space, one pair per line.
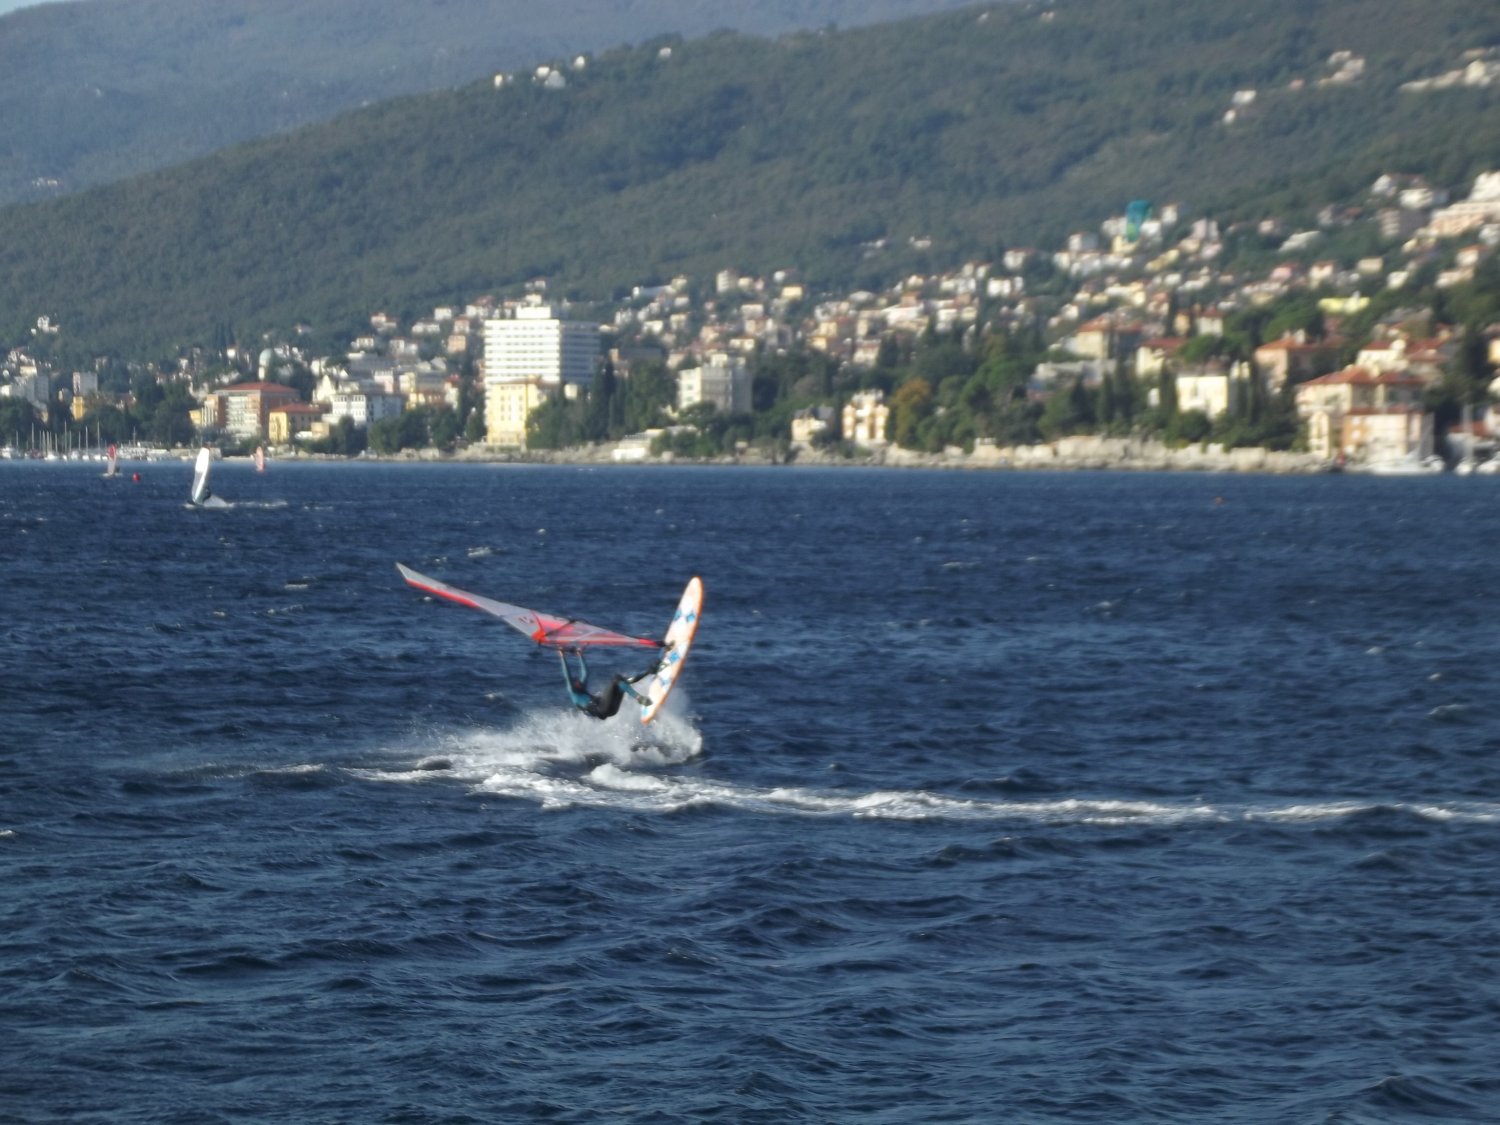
575,681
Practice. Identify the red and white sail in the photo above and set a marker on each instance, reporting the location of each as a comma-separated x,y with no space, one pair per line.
543,628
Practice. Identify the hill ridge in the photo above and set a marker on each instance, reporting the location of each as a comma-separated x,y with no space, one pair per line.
970,131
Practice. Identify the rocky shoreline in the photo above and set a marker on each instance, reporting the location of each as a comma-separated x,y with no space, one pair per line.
1073,453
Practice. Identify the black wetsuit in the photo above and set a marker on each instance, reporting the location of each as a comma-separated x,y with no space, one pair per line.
607,703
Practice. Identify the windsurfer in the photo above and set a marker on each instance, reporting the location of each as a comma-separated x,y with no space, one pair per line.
607,702
571,635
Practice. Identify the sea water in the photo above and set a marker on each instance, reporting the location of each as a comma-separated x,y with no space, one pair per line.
985,797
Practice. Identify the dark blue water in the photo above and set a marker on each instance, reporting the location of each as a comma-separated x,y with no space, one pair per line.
986,797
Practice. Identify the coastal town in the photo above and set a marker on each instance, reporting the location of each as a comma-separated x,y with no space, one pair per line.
1140,308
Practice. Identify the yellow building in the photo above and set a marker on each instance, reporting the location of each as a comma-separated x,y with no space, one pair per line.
285,423
508,404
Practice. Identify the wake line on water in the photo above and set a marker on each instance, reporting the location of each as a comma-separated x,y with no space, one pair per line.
609,786
562,760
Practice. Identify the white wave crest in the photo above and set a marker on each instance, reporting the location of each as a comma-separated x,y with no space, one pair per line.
561,759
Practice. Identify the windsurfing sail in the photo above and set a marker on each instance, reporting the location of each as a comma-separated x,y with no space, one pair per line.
200,491
112,466
260,458
543,628
678,640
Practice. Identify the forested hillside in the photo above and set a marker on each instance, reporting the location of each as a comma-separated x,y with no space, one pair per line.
93,91
1002,125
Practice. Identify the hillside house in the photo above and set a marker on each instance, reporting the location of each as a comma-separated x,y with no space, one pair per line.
1153,355
808,424
1101,338
1371,435
723,381
1291,359
1046,378
1424,357
1482,207
1208,322
866,418
1207,387
1359,388
364,408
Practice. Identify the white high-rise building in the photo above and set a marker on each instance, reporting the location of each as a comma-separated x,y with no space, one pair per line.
530,357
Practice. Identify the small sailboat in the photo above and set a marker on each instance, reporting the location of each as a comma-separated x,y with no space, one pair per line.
260,458
111,464
1468,462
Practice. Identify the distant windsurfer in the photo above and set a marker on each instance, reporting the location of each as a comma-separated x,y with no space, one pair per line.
607,702
201,492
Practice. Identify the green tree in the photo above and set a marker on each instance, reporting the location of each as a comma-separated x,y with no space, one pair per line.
600,413
1298,314
1108,411
1200,348
443,428
1166,400
1188,426
167,422
1068,411
17,418
345,439
471,410
557,423
112,423
649,391
300,378
385,436
910,405
941,355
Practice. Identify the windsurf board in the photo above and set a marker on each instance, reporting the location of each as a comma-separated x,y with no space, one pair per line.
678,640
